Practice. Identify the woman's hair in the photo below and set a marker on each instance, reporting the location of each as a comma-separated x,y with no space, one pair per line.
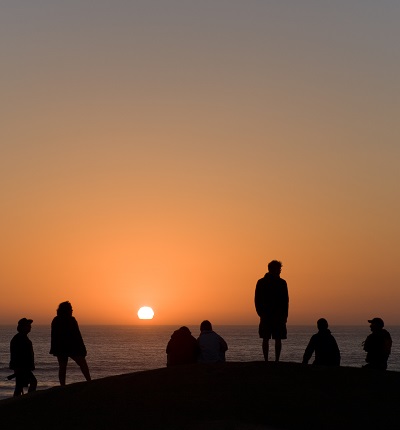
64,309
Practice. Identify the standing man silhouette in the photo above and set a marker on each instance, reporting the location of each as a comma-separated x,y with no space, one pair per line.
22,358
272,306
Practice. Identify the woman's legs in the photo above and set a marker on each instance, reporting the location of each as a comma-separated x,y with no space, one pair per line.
62,369
81,362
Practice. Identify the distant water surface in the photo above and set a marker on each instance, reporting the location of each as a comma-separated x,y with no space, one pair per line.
114,350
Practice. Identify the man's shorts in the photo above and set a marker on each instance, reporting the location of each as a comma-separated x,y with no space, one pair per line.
271,329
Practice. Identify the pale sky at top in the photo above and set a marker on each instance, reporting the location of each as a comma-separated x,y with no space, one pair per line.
162,152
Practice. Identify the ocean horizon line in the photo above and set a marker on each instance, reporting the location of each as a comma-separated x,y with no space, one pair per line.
148,324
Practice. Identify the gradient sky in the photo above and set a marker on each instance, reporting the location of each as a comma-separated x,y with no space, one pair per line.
162,152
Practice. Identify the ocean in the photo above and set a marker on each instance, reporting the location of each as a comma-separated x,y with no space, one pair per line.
114,350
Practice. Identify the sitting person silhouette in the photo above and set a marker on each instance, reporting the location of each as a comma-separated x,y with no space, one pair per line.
22,359
378,345
211,345
182,348
324,345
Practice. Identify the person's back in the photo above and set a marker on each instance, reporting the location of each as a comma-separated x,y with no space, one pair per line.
212,346
182,348
324,345
271,298
272,306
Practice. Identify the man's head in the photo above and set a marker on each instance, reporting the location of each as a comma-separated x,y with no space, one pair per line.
322,324
205,326
24,325
376,324
275,267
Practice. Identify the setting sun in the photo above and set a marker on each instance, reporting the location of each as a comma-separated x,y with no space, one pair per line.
145,313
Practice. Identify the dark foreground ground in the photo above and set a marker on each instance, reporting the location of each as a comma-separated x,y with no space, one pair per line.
229,396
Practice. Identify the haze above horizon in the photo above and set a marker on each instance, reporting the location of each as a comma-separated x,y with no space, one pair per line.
161,153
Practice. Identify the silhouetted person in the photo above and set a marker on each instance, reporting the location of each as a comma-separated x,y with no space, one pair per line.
324,345
378,345
272,306
182,348
212,346
22,358
66,341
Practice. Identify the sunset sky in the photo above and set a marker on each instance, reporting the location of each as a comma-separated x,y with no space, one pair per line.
162,152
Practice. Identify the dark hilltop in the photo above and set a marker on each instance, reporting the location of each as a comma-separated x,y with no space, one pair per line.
237,396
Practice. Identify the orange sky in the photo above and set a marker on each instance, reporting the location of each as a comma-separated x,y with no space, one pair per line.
162,153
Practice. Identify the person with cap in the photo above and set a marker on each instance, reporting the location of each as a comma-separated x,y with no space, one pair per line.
378,345
324,345
67,342
22,358
272,306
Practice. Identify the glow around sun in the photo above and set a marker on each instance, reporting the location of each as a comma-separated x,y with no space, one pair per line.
145,313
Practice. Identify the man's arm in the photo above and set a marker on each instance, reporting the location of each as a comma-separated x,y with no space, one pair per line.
258,302
222,344
387,344
287,300
309,351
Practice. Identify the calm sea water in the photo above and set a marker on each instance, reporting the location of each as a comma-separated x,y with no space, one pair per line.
114,350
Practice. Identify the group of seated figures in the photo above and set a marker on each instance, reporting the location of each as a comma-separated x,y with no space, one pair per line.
183,348
210,347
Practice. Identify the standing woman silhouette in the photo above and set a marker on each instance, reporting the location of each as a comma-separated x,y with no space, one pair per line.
66,341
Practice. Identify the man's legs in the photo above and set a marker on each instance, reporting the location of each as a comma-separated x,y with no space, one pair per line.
278,349
265,348
18,387
24,378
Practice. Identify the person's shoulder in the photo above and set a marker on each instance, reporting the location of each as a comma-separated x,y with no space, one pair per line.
71,321
331,336
16,337
264,279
